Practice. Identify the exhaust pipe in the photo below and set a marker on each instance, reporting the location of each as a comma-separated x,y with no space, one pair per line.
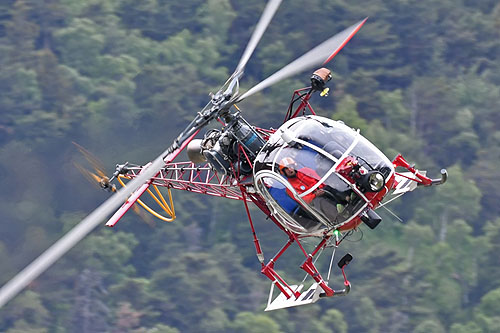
442,180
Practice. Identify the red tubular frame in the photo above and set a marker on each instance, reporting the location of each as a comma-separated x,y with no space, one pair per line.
256,242
303,104
268,269
399,161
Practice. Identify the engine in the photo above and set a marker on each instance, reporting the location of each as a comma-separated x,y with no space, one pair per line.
221,148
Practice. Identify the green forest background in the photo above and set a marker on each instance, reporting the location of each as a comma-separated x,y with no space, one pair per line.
122,77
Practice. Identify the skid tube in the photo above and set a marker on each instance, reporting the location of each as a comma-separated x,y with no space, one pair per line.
295,295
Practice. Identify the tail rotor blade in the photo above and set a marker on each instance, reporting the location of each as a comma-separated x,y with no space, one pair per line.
267,15
321,54
143,215
98,176
89,175
94,161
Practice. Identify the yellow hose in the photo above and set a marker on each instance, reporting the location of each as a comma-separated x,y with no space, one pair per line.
161,202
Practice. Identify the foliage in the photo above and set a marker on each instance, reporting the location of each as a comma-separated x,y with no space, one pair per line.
121,77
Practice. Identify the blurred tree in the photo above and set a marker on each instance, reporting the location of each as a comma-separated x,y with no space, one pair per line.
79,45
470,327
464,142
192,275
21,34
368,318
90,314
304,319
7,269
486,314
486,175
216,17
272,56
489,262
432,107
140,16
418,237
216,321
160,328
21,326
394,115
418,26
346,111
475,93
466,252
159,19
104,12
363,86
127,319
20,97
459,199
429,326
334,320
5,15
462,27
49,15
25,313
107,253
490,303
56,90
246,322
131,290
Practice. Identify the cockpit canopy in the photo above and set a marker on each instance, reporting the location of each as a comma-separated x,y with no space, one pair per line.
317,173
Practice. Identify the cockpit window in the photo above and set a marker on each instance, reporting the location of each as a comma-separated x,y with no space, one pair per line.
300,171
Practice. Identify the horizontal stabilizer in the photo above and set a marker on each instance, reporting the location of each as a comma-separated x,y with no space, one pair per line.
405,182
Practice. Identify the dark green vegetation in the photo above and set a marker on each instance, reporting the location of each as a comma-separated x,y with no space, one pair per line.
122,77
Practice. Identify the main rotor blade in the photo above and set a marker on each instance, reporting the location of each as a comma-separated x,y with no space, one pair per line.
321,54
82,229
267,15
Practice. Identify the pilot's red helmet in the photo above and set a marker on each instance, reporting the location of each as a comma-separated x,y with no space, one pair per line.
287,162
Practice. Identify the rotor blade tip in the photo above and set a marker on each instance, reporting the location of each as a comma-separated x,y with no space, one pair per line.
352,31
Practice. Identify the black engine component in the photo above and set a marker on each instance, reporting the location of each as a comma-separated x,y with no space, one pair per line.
345,260
371,219
222,148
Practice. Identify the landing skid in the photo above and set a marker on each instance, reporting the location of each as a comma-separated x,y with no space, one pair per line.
316,291
312,295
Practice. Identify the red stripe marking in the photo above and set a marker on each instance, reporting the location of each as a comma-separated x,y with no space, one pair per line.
345,41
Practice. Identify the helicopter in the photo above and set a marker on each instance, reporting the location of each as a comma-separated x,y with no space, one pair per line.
315,178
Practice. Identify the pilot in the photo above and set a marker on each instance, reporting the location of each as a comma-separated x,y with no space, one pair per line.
302,180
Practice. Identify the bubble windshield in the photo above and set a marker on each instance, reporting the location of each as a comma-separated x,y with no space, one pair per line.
303,173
